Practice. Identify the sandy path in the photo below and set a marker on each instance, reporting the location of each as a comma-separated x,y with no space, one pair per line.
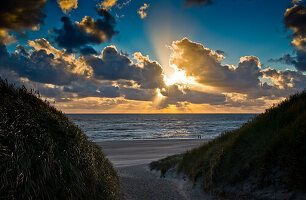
131,159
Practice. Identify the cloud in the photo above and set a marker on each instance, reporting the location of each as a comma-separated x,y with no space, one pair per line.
143,11
112,65
120,6
295,19
76,66
296,1
88,88
65,78
90,104
246,78
205,66
74,36
87,50
175,95
60,76
138,94
6,38
189,3
107,4
39,66
19,15
67,5
220,52
286,79
55,73
101,29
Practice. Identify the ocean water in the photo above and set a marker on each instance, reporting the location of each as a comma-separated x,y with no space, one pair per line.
102,127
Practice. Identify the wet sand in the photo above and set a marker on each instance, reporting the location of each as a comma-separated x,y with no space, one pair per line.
138,152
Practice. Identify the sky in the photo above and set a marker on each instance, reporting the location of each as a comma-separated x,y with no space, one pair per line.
161,56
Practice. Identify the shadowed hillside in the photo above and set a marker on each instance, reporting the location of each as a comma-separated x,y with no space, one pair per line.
45,156
264,159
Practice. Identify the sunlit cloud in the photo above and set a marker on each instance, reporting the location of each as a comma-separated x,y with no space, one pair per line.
67,5
107,4
6,38
143,11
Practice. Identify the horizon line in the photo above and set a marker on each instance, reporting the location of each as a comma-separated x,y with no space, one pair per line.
160,113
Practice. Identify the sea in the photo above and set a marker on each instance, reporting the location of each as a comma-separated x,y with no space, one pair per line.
105,127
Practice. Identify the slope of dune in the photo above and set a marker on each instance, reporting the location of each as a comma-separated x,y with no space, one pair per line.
45,156
264,159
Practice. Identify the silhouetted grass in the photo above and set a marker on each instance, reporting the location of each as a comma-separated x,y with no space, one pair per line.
267,152
45,156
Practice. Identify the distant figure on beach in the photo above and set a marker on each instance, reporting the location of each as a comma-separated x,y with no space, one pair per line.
199,136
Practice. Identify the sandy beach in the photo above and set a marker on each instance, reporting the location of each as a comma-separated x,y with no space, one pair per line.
126,153
131,159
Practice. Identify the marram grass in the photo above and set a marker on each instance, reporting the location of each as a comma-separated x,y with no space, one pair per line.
268,152
45,156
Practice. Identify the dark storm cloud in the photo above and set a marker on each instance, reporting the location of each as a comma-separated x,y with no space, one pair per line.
87,88
220,52
39,66
74,36
295,19
299,61
112,65
47,92
87,50
70,36
18,14
138,94
189,3
22,50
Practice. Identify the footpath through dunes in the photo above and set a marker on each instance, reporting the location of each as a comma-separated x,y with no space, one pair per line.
131,159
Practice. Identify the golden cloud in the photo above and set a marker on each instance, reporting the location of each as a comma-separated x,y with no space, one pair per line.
67,5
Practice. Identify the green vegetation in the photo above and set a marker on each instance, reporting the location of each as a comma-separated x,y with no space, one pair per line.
45,156
266,154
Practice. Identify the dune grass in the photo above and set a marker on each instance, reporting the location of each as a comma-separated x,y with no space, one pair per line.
45,156
267,152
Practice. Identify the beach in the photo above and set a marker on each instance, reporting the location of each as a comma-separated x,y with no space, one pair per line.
131,159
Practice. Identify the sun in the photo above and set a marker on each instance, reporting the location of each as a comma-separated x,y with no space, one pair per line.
178,77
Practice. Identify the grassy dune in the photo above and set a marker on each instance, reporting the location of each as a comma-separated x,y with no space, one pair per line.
45,156
264,159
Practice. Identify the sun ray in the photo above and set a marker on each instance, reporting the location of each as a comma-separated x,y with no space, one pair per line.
178,77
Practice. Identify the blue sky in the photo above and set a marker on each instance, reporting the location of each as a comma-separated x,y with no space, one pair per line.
237,27
93,56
